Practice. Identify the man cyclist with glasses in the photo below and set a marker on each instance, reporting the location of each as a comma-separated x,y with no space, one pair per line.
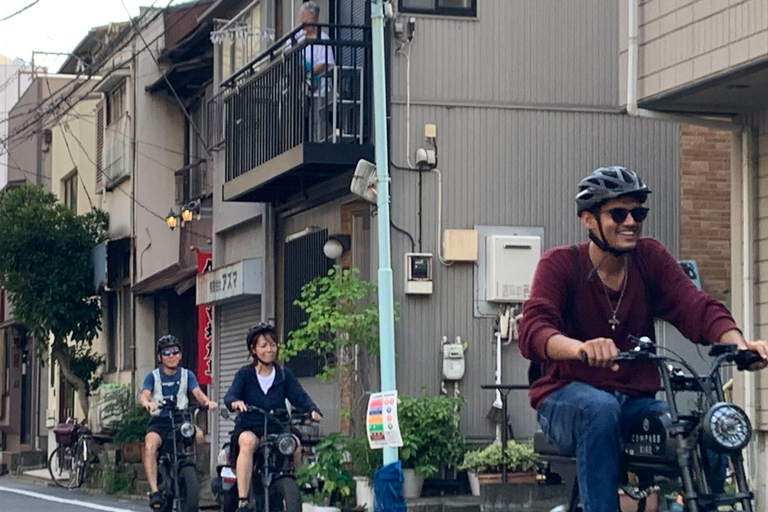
168,380
266,384
585,300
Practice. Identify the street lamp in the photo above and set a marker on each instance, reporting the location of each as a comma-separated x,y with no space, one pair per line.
190,209
172,219
336,246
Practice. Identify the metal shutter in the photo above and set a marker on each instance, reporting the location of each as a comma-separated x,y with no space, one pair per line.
234,321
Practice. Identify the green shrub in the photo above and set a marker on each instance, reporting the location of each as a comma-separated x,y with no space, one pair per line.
364,459
120,412
114,481
519,457
431,434
327,474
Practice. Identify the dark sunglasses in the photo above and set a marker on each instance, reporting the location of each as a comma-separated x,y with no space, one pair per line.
171,352
619,215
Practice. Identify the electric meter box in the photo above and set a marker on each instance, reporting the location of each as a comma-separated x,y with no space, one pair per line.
509,266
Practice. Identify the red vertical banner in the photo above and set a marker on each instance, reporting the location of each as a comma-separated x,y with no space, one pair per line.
204,326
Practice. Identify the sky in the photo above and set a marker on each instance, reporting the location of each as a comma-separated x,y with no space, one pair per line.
58,25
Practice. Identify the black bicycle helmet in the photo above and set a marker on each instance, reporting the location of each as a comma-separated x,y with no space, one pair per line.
257,330
606,183
169,340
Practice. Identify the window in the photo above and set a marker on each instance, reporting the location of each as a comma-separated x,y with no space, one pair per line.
116,104
70,191
447,7
191,180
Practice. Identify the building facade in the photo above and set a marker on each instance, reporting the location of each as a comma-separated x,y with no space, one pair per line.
522,112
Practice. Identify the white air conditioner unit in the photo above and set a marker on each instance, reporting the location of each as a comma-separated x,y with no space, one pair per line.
364,181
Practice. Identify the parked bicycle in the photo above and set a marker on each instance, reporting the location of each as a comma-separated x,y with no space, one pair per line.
68,464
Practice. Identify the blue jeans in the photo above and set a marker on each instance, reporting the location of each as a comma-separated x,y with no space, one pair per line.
589,423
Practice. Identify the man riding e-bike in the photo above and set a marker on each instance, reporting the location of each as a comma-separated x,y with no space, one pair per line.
585,300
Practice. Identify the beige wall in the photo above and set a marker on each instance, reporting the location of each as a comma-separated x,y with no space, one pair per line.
683,41
159,152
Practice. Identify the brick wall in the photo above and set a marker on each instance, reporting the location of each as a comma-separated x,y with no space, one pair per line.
705,167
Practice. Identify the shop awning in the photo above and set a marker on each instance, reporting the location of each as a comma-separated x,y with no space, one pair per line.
166,278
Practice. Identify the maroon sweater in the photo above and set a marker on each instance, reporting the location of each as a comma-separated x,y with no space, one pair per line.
696,315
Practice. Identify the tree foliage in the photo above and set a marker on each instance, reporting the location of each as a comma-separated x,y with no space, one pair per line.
340,313
45,267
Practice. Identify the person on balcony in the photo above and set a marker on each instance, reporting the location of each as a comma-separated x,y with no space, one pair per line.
318,62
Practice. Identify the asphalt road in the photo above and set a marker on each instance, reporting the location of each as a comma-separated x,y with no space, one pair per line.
21,496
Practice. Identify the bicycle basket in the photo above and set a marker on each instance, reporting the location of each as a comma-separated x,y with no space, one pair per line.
66,433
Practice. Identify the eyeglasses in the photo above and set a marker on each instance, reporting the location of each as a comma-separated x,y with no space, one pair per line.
619,215
171,352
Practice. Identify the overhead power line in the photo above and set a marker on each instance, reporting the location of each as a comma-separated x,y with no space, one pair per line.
65,98
116,45
170,85
20,11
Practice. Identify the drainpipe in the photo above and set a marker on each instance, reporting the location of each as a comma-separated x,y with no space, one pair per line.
747,251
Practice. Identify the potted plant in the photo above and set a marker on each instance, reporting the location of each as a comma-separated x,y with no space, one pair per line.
127,420
485,464
327,476
364,461
431,437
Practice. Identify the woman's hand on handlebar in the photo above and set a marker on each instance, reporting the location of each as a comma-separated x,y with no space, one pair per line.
599,352
239,406
316,416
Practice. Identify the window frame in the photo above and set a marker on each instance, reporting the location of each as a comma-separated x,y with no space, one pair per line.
118,93
468,12
70,184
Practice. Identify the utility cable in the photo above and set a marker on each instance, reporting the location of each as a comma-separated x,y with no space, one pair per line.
66,97
170,85
64,127
98,66
20,10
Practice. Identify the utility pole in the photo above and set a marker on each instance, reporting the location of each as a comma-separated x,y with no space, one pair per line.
386,301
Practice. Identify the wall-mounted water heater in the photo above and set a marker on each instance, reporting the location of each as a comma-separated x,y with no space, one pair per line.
509,266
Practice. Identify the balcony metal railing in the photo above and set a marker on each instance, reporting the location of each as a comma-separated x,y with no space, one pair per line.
299,90
214,123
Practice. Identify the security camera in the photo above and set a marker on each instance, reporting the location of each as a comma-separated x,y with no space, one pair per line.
426,158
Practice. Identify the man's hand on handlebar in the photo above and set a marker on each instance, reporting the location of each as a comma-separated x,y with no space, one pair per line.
599,352
759,347
150,406
212,405
316,416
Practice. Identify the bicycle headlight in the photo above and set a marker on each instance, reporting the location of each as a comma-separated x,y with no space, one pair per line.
286,444
187,429
726,428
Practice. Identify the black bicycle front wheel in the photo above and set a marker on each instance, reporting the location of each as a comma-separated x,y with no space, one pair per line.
284,496
189,489
61,467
